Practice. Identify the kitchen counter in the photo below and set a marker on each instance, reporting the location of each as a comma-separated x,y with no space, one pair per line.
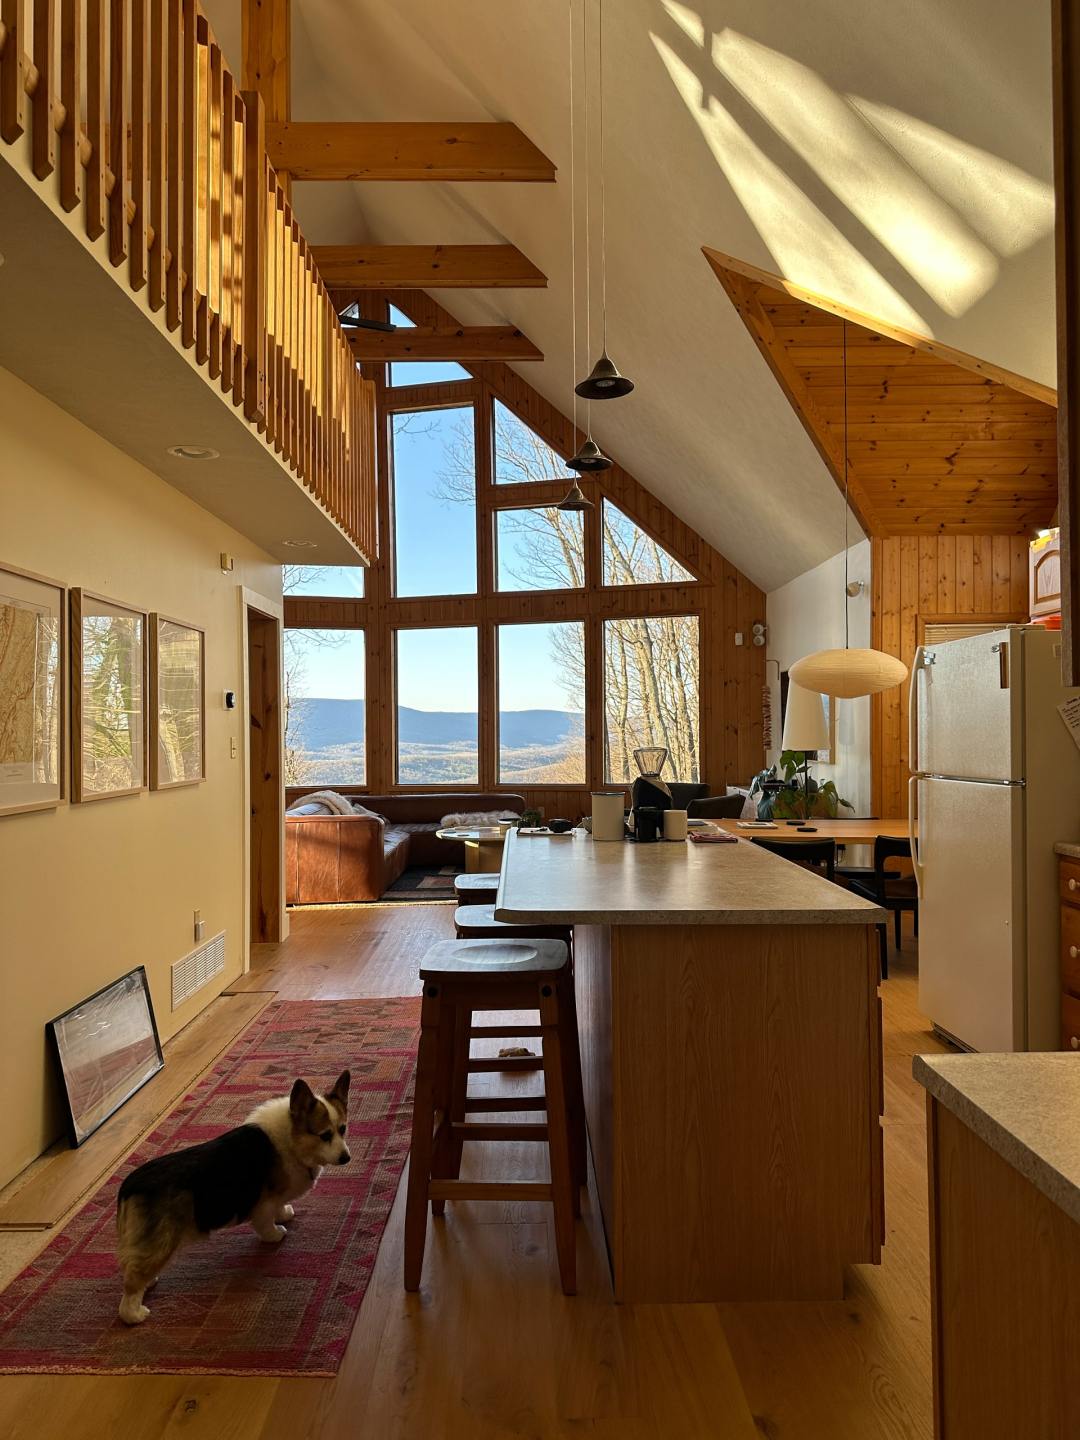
572,879
1003,1137
1069,848
731,1058
1026,1107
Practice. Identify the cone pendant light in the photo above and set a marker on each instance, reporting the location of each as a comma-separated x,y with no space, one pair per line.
847,673
589,458
603,381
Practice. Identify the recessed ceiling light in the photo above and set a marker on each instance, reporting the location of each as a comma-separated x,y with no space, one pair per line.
301,544
193,452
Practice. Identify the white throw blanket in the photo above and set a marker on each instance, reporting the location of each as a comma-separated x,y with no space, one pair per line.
335,803
479,817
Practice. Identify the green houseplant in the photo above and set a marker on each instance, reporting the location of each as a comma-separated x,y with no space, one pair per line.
778,791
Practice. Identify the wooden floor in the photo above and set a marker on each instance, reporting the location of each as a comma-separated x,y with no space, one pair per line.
490,1348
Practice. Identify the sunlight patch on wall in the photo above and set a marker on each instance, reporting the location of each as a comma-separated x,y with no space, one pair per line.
1009,208
806,246
927,237
688,21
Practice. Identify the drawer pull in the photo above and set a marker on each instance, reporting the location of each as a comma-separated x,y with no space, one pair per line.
1072,884
1074,1041
1073,952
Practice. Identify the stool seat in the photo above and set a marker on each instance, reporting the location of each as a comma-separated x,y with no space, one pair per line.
483,880
477,922
495,959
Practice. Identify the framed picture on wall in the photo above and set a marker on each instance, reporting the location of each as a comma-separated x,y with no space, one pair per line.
108,698
177,703
32,660
105,1049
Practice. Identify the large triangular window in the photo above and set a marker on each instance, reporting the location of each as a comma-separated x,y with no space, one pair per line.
521,455
631,557
421,372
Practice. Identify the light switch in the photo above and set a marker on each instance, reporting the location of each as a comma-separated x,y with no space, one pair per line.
232,747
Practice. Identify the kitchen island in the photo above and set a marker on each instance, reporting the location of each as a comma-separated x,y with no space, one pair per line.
731,1048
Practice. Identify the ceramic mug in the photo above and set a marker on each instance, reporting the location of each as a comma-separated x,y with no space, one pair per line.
674,824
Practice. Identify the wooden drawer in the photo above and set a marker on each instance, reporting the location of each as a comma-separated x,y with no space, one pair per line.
1070,949
1070,1023
1069,876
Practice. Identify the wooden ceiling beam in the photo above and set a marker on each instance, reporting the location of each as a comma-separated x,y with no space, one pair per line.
426,267
405,150
467,342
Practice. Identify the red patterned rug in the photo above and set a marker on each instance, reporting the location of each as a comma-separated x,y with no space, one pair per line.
232,1305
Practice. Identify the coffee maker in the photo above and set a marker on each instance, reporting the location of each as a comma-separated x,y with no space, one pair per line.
650,793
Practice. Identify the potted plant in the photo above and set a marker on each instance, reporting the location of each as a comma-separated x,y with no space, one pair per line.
779,791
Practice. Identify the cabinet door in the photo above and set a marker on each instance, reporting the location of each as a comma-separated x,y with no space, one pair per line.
1070,949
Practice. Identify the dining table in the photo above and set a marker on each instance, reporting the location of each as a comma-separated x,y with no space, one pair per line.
730,1033
844,832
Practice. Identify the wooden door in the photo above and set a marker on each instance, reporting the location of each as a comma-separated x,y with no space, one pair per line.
264,776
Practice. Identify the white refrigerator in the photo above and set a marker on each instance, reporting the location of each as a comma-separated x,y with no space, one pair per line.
995,782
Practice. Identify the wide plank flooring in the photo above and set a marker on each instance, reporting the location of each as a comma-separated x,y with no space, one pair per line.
490,1349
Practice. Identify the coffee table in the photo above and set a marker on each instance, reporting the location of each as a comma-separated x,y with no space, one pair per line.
483,845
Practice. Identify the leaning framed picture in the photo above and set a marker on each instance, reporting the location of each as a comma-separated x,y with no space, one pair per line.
108,698
177,703
105,1049
32,668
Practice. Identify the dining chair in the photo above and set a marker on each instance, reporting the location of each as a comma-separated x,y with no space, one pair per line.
890,889
816,855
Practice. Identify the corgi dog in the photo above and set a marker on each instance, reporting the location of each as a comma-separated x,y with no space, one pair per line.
251,1174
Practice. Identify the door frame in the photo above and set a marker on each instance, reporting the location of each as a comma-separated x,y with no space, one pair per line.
252,600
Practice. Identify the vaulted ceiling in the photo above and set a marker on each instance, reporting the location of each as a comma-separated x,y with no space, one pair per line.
897,160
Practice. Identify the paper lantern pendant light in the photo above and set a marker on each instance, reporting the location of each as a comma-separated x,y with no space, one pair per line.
847,674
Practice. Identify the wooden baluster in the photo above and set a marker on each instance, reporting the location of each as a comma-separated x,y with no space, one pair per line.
71,170
118,220
213,232
13,70
202,190
272,279
227,181
95,118
157,221
190,173
44,136
280,293
140,97
255,260
239,250
174,162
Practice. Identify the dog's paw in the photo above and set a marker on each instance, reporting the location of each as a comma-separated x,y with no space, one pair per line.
274,1235
286,1213
133,1314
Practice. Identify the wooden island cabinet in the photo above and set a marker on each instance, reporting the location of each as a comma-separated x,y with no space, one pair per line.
1003,1135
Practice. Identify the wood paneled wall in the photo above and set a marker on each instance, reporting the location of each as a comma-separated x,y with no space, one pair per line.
920,578
732,676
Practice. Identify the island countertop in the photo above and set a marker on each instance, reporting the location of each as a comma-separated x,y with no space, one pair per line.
1024,1106
572,879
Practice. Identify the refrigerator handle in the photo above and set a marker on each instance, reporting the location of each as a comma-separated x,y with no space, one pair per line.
923,658
913,820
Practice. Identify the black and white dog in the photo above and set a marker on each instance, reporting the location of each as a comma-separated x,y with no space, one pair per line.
249,1174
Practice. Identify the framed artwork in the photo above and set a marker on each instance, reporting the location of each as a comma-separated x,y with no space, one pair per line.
105,1049
32,660
177,703
108,698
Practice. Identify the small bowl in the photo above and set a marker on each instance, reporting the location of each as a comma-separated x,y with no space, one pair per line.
560,827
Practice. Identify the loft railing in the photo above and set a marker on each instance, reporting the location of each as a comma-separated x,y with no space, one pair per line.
132,103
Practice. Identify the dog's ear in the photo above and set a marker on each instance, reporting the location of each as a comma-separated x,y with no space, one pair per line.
301,1100
340,1092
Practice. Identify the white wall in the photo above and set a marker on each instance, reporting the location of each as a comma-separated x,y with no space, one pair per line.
89,891
807,614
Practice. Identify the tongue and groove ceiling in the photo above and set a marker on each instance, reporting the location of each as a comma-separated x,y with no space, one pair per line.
895,158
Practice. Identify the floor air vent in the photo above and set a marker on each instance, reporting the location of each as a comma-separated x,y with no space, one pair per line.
192,973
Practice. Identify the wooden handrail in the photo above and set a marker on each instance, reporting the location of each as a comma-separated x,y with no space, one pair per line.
132,100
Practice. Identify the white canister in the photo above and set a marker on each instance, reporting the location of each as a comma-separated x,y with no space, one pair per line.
608,807
674,824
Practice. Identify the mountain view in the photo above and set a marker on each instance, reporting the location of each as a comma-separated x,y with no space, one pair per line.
325,741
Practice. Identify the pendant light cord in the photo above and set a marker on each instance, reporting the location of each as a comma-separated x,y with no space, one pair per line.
603,195
588,219
847,597
573,237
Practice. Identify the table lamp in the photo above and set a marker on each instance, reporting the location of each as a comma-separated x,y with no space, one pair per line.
805,729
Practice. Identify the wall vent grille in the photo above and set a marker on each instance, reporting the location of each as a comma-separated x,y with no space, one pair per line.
192,973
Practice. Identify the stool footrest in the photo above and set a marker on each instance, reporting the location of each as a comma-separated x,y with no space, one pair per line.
503,1032
476,1130
494,1104
487,1190
494,1063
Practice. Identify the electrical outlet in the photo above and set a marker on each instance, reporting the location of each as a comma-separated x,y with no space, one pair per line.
200,926
738,637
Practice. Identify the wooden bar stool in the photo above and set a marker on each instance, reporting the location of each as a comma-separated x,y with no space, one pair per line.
478,889
477,922
460,977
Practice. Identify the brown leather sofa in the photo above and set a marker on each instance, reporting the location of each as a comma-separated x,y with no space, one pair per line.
342,858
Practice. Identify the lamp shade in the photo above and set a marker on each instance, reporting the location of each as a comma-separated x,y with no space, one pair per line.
848,673
805,726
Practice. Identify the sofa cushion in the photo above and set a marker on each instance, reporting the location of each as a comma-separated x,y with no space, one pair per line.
309,807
